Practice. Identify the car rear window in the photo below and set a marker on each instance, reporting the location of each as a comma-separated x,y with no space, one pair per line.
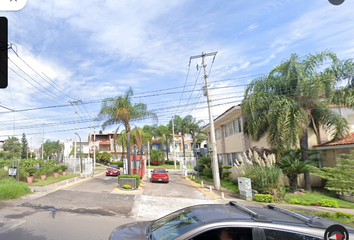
160,171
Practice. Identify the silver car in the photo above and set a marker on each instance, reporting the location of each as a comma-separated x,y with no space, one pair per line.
211,221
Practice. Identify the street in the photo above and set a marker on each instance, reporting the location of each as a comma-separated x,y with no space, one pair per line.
90,210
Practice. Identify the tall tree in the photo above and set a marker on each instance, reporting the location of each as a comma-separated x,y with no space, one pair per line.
24,151
51,148
183,127
121,110
294,96
12,146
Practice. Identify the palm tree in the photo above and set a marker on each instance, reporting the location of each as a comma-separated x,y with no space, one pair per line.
194,127
135,136
183,127
121,110
122,139
294,96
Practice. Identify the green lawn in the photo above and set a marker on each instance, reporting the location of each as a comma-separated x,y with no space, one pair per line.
314,197
11,189
348,219
51,179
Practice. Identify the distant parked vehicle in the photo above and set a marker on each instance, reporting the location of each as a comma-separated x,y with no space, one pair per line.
159,175
112,170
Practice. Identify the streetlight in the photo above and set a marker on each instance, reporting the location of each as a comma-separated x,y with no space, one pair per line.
80,151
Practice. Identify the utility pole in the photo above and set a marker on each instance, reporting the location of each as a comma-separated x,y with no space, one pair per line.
43,141
94,145
149,171
215,164
173,137
75,102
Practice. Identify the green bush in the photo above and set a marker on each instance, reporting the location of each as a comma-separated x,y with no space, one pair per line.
343,215
298,202
119,163
137,177
227,179
266,180
226,167
328,203
11,189
263,198
31,170
126,186
63,167
208,172
234,182
201,168
3,174
56,169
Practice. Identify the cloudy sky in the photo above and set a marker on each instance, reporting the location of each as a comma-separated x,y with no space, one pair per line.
93,49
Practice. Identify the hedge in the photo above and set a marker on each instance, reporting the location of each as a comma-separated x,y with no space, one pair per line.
263,198
119,163
137,177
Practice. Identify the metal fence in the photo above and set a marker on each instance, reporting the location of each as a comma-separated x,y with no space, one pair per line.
74,166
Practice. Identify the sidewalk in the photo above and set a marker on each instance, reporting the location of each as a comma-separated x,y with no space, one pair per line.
232,196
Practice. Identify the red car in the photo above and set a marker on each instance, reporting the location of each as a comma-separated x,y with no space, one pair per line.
113,170
159,175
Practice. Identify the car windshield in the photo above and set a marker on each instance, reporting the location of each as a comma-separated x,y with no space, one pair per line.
113,166
160,171
175,224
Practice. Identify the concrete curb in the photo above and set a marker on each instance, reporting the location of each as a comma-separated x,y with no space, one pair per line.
206,192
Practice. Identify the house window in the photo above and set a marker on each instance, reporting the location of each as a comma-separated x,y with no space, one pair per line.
186,146
218,134
228,159
154,147
104,148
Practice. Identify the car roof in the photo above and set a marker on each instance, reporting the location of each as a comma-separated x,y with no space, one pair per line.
233,211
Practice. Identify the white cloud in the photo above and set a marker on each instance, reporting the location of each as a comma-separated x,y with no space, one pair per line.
253,26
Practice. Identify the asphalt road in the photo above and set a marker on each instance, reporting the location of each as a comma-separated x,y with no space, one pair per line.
90,210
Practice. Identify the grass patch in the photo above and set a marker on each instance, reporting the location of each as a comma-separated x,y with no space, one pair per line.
11,189
223,183
338,216
51,179
315,197
101,167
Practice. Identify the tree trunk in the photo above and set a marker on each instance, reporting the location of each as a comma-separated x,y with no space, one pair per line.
128,149
167,148
184,151
304,157
135,159
122,150
293,182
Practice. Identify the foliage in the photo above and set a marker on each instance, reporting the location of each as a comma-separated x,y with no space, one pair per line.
263,198
266,180
11,189
12,146
227,179
235,182
201,168
328,203
208,172
299,202
156,155
63,167
50,148
292,165
104,157
339,178
126,186
119,163
24,143
226,167
171,162
226,173
345,218
343,215
31,170
137,177
56,169
206,161
121,110
3,174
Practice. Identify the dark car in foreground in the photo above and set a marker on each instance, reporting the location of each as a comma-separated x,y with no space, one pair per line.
159,175
208,221
112,170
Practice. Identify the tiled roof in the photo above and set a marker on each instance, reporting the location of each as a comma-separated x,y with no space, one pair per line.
345,141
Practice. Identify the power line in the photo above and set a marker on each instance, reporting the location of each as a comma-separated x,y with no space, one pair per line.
189,66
